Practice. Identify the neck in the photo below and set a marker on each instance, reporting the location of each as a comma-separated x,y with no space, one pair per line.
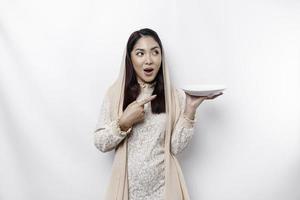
144,84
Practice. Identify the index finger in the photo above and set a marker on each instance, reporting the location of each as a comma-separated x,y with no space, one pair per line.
146,100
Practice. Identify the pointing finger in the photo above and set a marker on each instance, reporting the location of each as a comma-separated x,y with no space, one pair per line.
146,100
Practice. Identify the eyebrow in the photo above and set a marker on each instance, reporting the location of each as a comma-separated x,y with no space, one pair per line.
144,49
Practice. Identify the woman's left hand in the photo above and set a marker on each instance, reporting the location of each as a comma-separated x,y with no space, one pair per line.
192,103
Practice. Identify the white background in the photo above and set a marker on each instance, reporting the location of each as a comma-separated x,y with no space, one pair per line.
58,57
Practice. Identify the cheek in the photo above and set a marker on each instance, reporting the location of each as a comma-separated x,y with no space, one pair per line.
137,65
138,70
157,61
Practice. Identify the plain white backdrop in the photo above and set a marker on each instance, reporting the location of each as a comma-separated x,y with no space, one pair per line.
58,57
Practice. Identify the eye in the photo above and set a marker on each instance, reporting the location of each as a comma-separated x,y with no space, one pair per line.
139,53
156,52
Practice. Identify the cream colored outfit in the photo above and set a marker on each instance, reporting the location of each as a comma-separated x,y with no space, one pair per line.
128,159
146,175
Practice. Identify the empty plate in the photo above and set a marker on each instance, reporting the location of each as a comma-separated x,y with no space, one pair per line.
203,89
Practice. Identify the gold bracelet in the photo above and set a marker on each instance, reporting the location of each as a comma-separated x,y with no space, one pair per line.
122,133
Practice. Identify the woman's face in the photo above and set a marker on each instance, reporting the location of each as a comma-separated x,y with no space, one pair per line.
146,59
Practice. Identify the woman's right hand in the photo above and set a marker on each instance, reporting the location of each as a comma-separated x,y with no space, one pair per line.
134,113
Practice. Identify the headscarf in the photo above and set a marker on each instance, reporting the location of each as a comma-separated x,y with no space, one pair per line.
175,186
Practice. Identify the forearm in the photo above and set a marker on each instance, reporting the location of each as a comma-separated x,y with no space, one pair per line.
108,137
190,112
182,134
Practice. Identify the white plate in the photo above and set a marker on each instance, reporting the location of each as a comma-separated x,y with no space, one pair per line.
203,90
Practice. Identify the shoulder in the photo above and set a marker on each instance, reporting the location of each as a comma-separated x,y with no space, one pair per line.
107,97
180,94
110,92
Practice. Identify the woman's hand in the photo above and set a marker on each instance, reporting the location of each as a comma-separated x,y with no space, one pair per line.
192,103
134,113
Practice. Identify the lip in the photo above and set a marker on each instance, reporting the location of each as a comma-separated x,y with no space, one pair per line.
148,71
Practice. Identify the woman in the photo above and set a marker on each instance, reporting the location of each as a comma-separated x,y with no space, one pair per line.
147,121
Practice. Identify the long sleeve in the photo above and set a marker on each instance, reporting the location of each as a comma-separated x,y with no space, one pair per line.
108,133
184,129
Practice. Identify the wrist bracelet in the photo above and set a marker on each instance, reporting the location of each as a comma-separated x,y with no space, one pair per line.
122,133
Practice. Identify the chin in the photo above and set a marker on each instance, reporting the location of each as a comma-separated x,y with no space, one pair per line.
149,79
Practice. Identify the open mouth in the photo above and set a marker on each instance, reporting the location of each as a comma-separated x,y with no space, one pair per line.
148,71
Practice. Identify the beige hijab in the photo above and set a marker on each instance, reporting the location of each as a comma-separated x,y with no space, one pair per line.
175,186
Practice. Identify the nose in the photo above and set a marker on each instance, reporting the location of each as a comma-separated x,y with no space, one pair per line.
148,59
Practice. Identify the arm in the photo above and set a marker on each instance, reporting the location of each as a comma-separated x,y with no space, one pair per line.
184,128
108,133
